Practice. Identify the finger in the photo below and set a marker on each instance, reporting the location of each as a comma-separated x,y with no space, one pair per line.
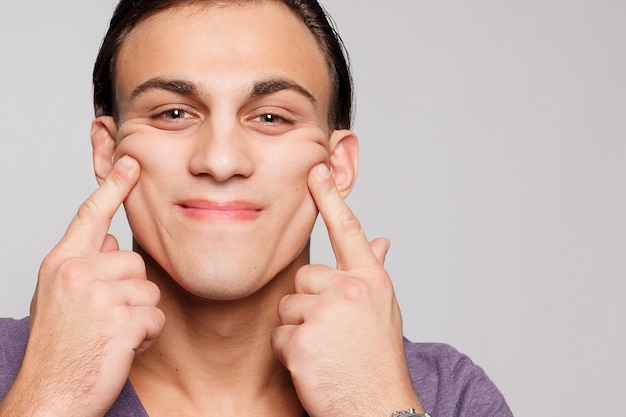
87,231
131,292
315,279
281,342
380,247
293,308
347,238
153,320
110,244
107,266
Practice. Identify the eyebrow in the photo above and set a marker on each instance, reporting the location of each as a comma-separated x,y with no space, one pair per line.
175,86
184,87
274,85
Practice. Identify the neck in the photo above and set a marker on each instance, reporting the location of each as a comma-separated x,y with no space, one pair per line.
216,355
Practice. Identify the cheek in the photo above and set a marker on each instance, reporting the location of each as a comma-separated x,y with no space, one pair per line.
293,163
295,208
133,142
155,157
152,149
289,174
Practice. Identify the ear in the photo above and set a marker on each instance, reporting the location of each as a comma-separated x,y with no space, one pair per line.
344,159
103,134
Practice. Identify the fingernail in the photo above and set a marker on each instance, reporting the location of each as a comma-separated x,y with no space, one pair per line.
323,172
125,163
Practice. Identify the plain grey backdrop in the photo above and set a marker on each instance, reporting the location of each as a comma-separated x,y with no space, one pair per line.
493,157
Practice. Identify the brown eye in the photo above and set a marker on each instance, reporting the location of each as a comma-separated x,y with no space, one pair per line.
174,114
271,122
174,118
270,118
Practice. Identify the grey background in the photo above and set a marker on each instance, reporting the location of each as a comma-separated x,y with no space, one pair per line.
493,157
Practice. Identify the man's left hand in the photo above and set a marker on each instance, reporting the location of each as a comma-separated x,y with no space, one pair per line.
341,332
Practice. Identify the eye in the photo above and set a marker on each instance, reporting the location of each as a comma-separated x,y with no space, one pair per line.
270,118
272,122
174,118
173,114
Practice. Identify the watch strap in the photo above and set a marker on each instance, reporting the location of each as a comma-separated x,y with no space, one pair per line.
409,413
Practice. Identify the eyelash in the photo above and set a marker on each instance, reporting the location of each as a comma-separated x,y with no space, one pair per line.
275,119
268,122
264,118
168,114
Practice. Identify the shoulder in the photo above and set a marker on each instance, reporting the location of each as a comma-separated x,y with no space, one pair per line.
13,337
450,384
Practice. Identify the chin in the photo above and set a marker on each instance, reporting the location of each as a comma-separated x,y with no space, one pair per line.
214,281
226,273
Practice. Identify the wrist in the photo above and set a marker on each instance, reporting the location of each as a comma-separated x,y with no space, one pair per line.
411,412
411,403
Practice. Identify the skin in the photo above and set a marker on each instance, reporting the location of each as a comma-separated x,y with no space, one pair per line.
222,156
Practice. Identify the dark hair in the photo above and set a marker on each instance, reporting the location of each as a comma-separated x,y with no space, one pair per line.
129,13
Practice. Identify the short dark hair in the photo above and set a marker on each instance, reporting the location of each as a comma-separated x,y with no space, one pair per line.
129,13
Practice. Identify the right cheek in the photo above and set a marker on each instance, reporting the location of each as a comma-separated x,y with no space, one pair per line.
139,147
138,213
133,136
128,139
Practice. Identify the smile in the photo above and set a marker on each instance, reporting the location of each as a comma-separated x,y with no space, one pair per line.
205,210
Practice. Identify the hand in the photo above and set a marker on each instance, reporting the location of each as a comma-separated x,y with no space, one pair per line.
92,312
341,337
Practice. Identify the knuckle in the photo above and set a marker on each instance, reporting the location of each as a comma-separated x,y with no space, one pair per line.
305,270
349,222
280,344
275,339
119,315
152,292
72,271
135,265
329,312
49,262
354,290
302,275
87,211
305,343
283,304
382,281
153,321
386,285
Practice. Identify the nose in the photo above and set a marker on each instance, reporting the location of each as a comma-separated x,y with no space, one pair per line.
221,152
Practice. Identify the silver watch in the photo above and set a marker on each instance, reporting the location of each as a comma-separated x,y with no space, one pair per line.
409,413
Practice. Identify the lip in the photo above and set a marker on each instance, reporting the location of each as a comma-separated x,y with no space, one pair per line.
206,210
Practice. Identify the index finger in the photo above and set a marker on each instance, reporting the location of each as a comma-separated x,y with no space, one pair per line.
346,235
88,229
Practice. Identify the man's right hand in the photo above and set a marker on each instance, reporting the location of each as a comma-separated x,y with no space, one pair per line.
92,312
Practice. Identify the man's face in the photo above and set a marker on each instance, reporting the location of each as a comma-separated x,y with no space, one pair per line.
225,108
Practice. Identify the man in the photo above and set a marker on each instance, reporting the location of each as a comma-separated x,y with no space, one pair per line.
223,127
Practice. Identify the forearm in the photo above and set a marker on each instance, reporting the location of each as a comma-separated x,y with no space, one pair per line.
27,398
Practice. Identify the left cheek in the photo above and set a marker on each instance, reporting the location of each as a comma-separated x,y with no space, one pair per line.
297,176
291,175
295,162
304,210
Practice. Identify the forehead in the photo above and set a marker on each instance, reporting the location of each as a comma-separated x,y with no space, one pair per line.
223,46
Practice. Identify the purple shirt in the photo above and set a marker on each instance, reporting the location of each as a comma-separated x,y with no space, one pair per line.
448,383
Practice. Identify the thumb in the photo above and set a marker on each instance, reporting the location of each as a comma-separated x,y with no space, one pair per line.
380,247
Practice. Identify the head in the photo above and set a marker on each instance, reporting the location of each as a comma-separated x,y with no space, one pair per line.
129,13
226,105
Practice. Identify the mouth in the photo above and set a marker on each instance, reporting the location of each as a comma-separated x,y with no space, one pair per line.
207,211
